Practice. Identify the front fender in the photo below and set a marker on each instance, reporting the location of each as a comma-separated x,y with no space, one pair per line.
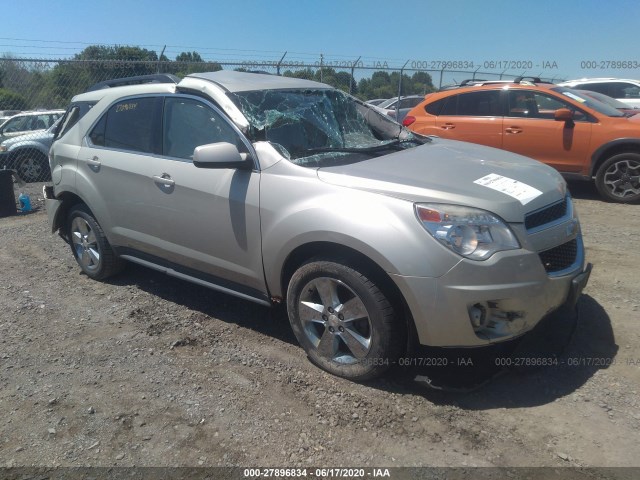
383,228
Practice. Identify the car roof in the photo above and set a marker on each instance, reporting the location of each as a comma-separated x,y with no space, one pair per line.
37,112
597,80
233,81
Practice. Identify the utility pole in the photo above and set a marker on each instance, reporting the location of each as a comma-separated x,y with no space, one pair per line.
353,66
160,58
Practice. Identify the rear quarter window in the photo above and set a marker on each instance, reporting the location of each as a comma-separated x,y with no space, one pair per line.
74,113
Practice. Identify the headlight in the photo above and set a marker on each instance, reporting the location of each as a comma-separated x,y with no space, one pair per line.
470,232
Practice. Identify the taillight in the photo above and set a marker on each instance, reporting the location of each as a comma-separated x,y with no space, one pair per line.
408,120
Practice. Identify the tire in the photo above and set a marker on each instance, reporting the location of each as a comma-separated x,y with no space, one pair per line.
33,167
344,322
90,246
618,178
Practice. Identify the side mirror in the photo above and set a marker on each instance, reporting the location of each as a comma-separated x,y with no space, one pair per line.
220,155
564,115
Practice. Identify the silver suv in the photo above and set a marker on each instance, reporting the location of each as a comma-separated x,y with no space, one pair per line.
277,189
622,89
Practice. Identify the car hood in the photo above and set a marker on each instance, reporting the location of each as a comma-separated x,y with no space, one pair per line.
41,136
460,173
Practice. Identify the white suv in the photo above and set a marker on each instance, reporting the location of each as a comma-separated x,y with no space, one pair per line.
28,122
625,90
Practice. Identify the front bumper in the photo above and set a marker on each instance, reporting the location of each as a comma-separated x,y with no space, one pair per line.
481,303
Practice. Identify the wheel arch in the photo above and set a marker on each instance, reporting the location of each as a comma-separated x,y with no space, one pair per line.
334,251
69,200
620,145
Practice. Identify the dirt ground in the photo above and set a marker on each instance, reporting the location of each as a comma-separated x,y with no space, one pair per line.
147,370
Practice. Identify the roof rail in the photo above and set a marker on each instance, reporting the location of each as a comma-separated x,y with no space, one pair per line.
140,79
529,79
471,80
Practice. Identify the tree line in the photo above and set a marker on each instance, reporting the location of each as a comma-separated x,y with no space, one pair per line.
29,85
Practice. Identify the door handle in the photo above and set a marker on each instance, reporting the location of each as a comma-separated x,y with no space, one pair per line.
94,162
164,179
448,126
513,130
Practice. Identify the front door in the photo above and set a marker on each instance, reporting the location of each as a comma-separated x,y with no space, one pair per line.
530,130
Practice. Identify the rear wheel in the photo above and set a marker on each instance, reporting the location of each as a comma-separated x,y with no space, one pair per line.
618,178
344,322
90,246
33,167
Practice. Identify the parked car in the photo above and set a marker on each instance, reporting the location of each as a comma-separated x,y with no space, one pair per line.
282,190
26,122
617,104
28,154
376,101
403,106
625,90
574,133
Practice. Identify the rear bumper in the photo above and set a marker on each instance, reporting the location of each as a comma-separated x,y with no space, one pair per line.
53,207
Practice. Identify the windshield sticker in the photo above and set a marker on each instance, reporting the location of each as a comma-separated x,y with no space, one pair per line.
575,97
520,191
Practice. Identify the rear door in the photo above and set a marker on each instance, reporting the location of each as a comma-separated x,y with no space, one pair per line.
160,207
472,117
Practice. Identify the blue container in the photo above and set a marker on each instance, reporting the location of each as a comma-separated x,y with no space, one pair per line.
25,202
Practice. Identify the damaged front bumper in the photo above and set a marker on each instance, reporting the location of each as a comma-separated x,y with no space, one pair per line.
482,303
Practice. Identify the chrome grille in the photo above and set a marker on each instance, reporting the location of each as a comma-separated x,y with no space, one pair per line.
560,257
546,215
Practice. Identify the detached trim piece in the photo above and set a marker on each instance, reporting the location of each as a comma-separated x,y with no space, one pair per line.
138,80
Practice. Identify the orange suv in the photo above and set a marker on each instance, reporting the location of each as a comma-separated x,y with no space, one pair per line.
576,134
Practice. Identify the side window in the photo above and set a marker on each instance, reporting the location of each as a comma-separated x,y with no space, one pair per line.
603,88
479,104
131,124
70,118
474,104
625,90
451,106
410,102
529,104
40,122
189,123
16,124
435,107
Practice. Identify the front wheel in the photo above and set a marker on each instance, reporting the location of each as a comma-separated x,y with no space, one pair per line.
618,178
344,322
90,246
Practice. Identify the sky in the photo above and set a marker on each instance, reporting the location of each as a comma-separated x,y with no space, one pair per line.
554,39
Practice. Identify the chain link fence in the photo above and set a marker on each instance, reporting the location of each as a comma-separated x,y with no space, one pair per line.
35,92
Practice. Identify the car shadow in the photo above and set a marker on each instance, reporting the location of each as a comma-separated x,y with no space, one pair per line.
550,362
272,322
509,375
584,190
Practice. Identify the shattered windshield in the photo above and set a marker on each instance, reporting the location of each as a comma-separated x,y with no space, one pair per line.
309,126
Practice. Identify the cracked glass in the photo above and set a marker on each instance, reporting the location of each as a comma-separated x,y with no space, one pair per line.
317,127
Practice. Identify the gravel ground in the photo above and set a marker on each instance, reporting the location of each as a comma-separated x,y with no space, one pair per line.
147,370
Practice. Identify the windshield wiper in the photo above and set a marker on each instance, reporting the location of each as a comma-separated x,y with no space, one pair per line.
372,149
